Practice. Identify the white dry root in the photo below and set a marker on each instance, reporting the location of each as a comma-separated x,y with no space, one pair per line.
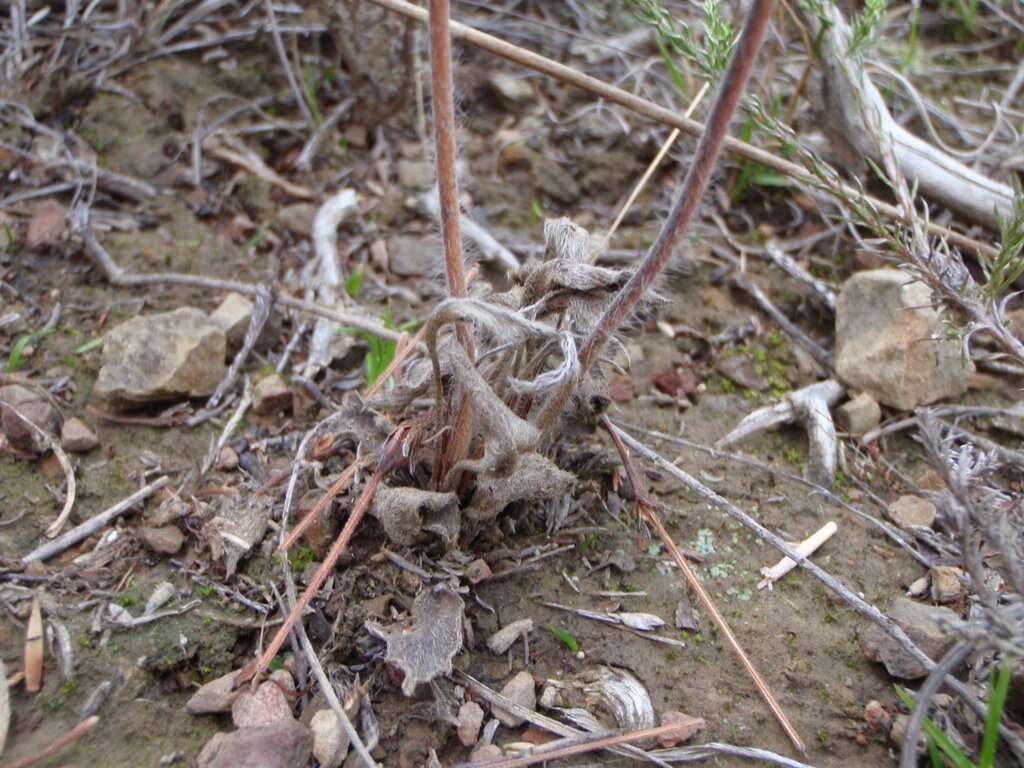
849,92
806,548
809,406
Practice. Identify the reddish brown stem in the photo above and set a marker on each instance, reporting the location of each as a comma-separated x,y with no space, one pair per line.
67,739
339,485
690,194
648,512
442,104
391,450
590,744
685,206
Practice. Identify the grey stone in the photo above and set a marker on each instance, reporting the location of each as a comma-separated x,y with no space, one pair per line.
162,357
410,256
282,745
166,539
330,742
232,316
511,90
271,395
297,218
36,408
471,717
266,706
909,510
75,437
891,344
922,623
415,174
859,415
520,689
214,697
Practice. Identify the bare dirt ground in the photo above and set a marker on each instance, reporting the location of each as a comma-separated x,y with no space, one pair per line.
546,153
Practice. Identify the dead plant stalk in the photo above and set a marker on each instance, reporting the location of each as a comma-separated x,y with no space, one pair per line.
690,193
648,513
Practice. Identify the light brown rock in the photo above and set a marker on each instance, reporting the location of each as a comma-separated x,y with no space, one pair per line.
214,697
946,584
910,510
485,753
471,717
688,726
75,437
923,624
266,706
859,415
520,689
415,174
271,395
165,539
47,225
166,356
410,256
232,316
282,745
33,406
891,343
330,742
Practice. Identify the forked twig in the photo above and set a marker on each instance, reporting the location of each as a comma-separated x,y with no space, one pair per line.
648,512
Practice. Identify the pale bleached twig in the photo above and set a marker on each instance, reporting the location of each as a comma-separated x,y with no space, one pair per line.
286,65
807,547
488,246
334,210
309,150
93,524
65,464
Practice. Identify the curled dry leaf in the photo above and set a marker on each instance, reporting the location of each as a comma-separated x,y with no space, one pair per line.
34,649
237,529
610,696
405,512
425,649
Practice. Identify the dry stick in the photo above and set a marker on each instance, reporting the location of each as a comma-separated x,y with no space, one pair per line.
354,518
292,83
683,209
66,740
654,111
858,604
339,485
648,512
94,524
65,464
118,276
654,164
582,746
443,107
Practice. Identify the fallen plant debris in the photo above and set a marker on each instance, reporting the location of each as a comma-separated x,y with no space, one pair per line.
313,443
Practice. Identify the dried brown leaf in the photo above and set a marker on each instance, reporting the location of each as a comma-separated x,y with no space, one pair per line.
425,649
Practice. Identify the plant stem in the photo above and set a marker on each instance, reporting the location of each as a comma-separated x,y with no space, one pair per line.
685,206
692,190
442,104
